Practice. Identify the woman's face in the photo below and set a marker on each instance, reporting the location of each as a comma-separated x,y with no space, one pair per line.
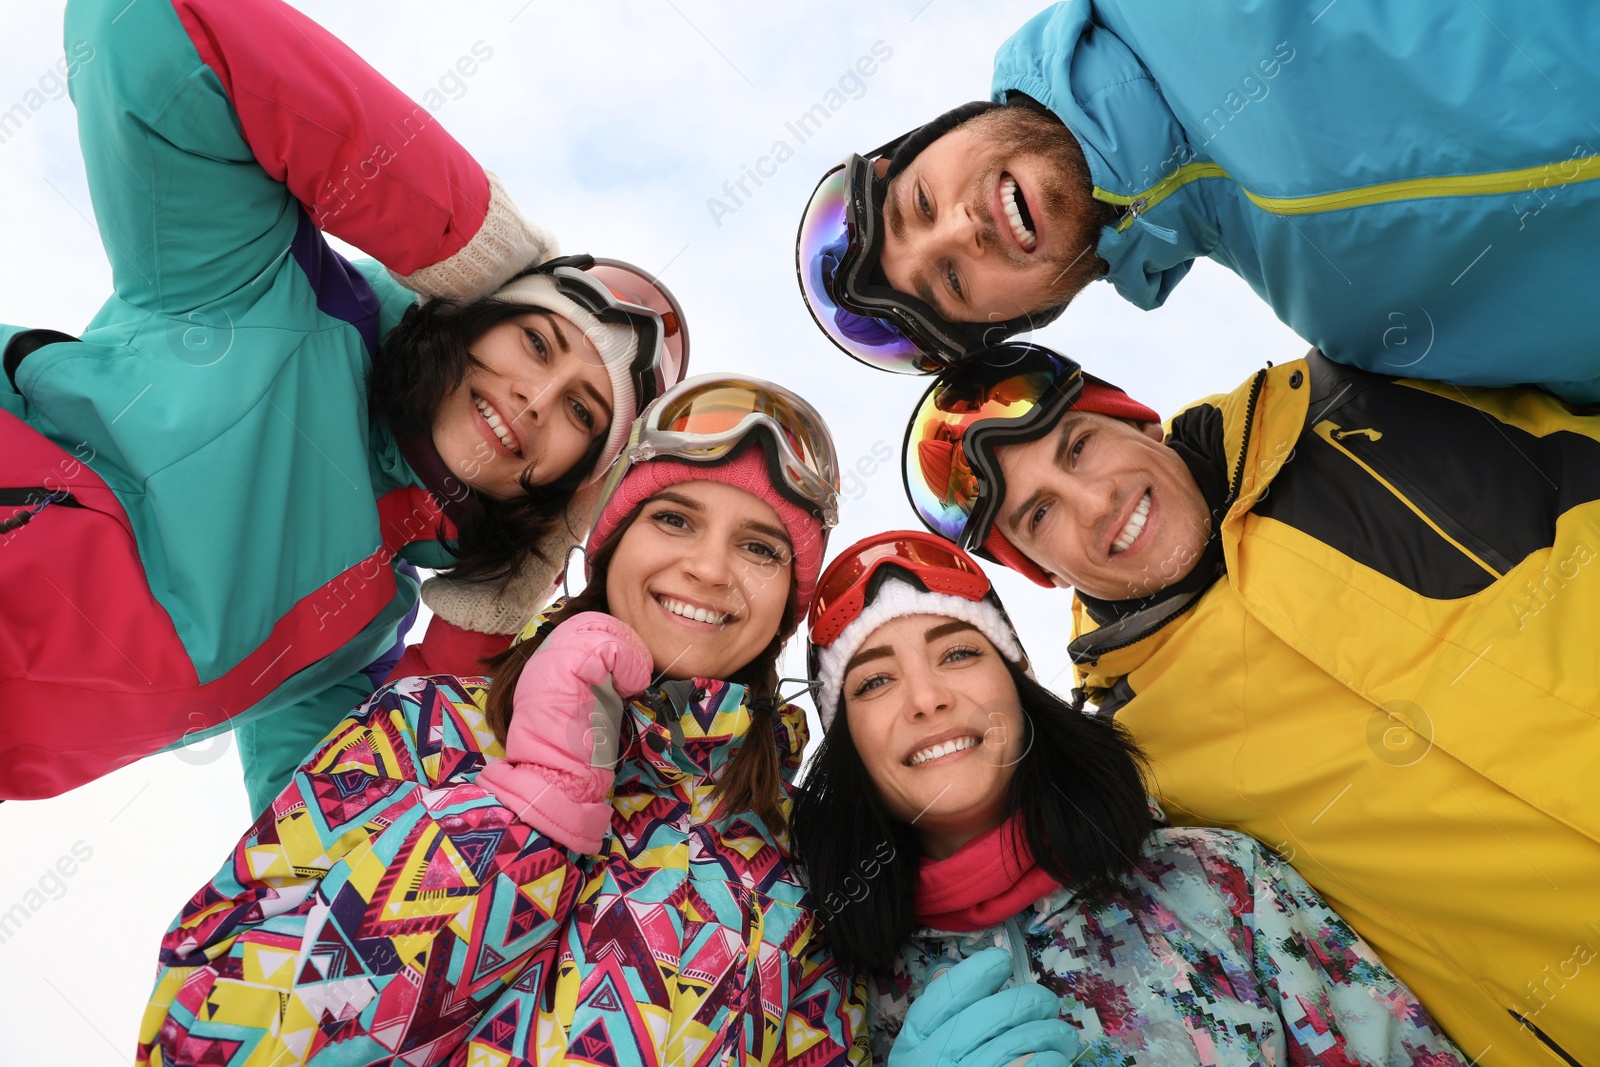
703,575
537,399
935,716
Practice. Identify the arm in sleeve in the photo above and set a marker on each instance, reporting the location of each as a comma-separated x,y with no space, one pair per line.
383,900
1337,999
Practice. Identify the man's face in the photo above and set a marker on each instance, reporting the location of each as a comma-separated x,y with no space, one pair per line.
992,220
1104,506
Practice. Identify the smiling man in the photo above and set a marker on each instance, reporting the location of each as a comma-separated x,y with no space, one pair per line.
1410,189
1350,615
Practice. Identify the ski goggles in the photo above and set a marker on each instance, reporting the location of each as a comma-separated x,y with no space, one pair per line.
709,418
1010,394
618,292
836,258
851,580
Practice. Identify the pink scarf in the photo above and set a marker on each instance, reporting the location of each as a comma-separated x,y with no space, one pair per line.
988,880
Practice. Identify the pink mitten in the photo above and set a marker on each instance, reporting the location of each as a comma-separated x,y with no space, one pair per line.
561,748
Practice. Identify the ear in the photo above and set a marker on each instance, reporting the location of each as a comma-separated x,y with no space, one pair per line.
880,166
1152,430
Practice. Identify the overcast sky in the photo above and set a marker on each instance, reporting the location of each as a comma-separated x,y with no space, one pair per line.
616,125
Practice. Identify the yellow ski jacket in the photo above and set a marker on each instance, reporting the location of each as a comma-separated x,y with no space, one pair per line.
1396,683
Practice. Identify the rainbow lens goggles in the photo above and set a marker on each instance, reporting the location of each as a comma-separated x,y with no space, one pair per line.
1009,394
707,419
618,292
836,258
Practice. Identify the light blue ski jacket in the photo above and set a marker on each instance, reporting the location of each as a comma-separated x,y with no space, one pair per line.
1410,186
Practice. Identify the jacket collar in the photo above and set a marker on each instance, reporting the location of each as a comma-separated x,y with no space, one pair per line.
695,726
1131,139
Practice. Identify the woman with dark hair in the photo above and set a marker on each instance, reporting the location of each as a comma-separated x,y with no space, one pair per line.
585,860
211,499
959,816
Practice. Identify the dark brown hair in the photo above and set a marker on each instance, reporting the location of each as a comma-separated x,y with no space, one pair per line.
423,361
1079,789
753,781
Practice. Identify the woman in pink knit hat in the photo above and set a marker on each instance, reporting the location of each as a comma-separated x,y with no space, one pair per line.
586,857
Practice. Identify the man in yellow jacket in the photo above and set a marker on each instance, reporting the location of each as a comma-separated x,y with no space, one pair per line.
1353,616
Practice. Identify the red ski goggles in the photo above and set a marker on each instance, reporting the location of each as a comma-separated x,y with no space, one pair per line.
849,581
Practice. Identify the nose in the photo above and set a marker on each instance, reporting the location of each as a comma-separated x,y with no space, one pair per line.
957,231
533,397
709,567
927,692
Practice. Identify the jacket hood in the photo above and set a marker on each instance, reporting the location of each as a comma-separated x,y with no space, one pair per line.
1092,81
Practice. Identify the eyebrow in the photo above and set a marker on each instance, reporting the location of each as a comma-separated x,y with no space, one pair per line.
943,629
555,329
777,532
682,501
601,402
897,220
1064,430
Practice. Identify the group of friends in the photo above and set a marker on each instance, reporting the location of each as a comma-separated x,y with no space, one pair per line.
1318,795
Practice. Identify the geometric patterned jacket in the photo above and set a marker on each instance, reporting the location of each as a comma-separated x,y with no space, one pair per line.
1214,953
388,909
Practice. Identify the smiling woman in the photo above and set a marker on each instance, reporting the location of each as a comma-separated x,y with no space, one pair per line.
628,856
957,805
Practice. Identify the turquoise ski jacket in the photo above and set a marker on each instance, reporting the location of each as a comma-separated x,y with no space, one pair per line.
203,524
1411,187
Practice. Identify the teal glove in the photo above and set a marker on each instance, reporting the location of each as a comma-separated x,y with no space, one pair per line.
964,1019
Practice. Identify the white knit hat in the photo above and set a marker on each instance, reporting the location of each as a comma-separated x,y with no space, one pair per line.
896,599
616,343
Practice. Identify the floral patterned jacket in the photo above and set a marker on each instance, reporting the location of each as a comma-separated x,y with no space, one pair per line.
1216,953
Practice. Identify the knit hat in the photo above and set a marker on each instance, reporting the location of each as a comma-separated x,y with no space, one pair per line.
616,343
748,471
896,598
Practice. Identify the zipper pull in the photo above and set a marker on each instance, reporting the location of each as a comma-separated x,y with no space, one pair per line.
1160,233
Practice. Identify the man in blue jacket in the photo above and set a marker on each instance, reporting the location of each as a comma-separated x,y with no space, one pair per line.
1409,187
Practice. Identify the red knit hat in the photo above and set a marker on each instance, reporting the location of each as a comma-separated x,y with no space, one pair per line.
1097,396
747,471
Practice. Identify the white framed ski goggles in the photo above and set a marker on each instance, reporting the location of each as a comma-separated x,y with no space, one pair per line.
711,418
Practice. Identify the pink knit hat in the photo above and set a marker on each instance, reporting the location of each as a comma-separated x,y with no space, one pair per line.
747,471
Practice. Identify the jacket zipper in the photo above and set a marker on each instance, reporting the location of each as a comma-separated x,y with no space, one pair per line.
1544,1038
1021,973
35,500
1524,179
1415,500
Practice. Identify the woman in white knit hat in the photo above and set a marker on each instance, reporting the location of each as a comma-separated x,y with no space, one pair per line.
210,498
983,851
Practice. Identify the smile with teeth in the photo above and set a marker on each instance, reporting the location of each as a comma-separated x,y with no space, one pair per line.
1016,207
943,748
689,611
493,419
1131,532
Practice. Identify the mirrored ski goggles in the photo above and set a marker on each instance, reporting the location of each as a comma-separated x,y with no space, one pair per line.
836,256
708,418
849,581
1006,395
618,292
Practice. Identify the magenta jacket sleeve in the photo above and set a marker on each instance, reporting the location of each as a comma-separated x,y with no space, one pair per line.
371,166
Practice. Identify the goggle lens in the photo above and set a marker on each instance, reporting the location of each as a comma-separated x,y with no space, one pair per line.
825,239
943,488
938,564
